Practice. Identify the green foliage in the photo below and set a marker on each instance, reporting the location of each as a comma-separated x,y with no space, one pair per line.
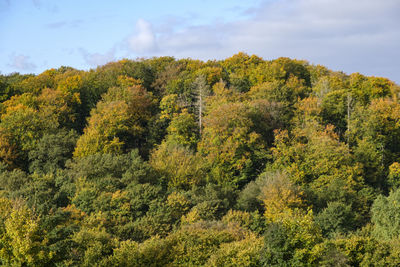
291,242
165,162
20,128
314,158
169,106
52,151
194,244
93,242
249,197
336,218
386,216
183,130
253,221
378,122
22,242
233,151
13,181
211,202
245,252
97,166
177,165
10,85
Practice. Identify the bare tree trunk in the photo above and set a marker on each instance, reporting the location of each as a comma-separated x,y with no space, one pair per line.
200,109
349,100
201,91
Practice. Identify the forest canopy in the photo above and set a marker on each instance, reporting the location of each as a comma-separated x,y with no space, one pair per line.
180,162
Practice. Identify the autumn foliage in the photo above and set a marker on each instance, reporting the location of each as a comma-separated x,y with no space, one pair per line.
166,162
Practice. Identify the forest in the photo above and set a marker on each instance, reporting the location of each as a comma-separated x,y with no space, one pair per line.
182,162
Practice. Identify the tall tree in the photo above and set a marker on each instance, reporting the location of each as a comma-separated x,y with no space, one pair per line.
118,123
233,151
202,91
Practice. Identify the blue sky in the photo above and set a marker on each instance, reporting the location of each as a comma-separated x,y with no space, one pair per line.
353,36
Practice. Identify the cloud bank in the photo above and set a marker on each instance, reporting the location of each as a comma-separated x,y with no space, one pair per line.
360,35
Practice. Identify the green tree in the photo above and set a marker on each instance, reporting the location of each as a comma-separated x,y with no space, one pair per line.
292,242
239,68
281,198
375,134
52,151
336,218
183,130
385,216
245,252
314,157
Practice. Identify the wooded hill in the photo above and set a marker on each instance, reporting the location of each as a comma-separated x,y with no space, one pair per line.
166,162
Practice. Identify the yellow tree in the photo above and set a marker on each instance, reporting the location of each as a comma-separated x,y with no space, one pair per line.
178,165
20,128
281,197
118,122
229,144
22,241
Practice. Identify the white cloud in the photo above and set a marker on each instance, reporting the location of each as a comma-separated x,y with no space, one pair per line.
97,59
144,39
21,63
353,36
346,35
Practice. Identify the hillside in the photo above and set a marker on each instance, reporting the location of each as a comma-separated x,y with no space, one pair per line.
166,162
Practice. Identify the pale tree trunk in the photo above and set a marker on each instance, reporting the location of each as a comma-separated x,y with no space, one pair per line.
349,100
201,91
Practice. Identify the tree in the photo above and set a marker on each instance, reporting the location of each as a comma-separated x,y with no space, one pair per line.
368,88
209,202
336,218
93,243
195,244
291,242
281,69
20,128
314,157
201,93
245,252
375,134
394,176
169,106
386,216
178,165
52,151
22,241
11,182
239,68
183,130
118,123
232,150
281,198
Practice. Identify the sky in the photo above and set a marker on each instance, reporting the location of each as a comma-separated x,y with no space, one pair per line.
351,36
